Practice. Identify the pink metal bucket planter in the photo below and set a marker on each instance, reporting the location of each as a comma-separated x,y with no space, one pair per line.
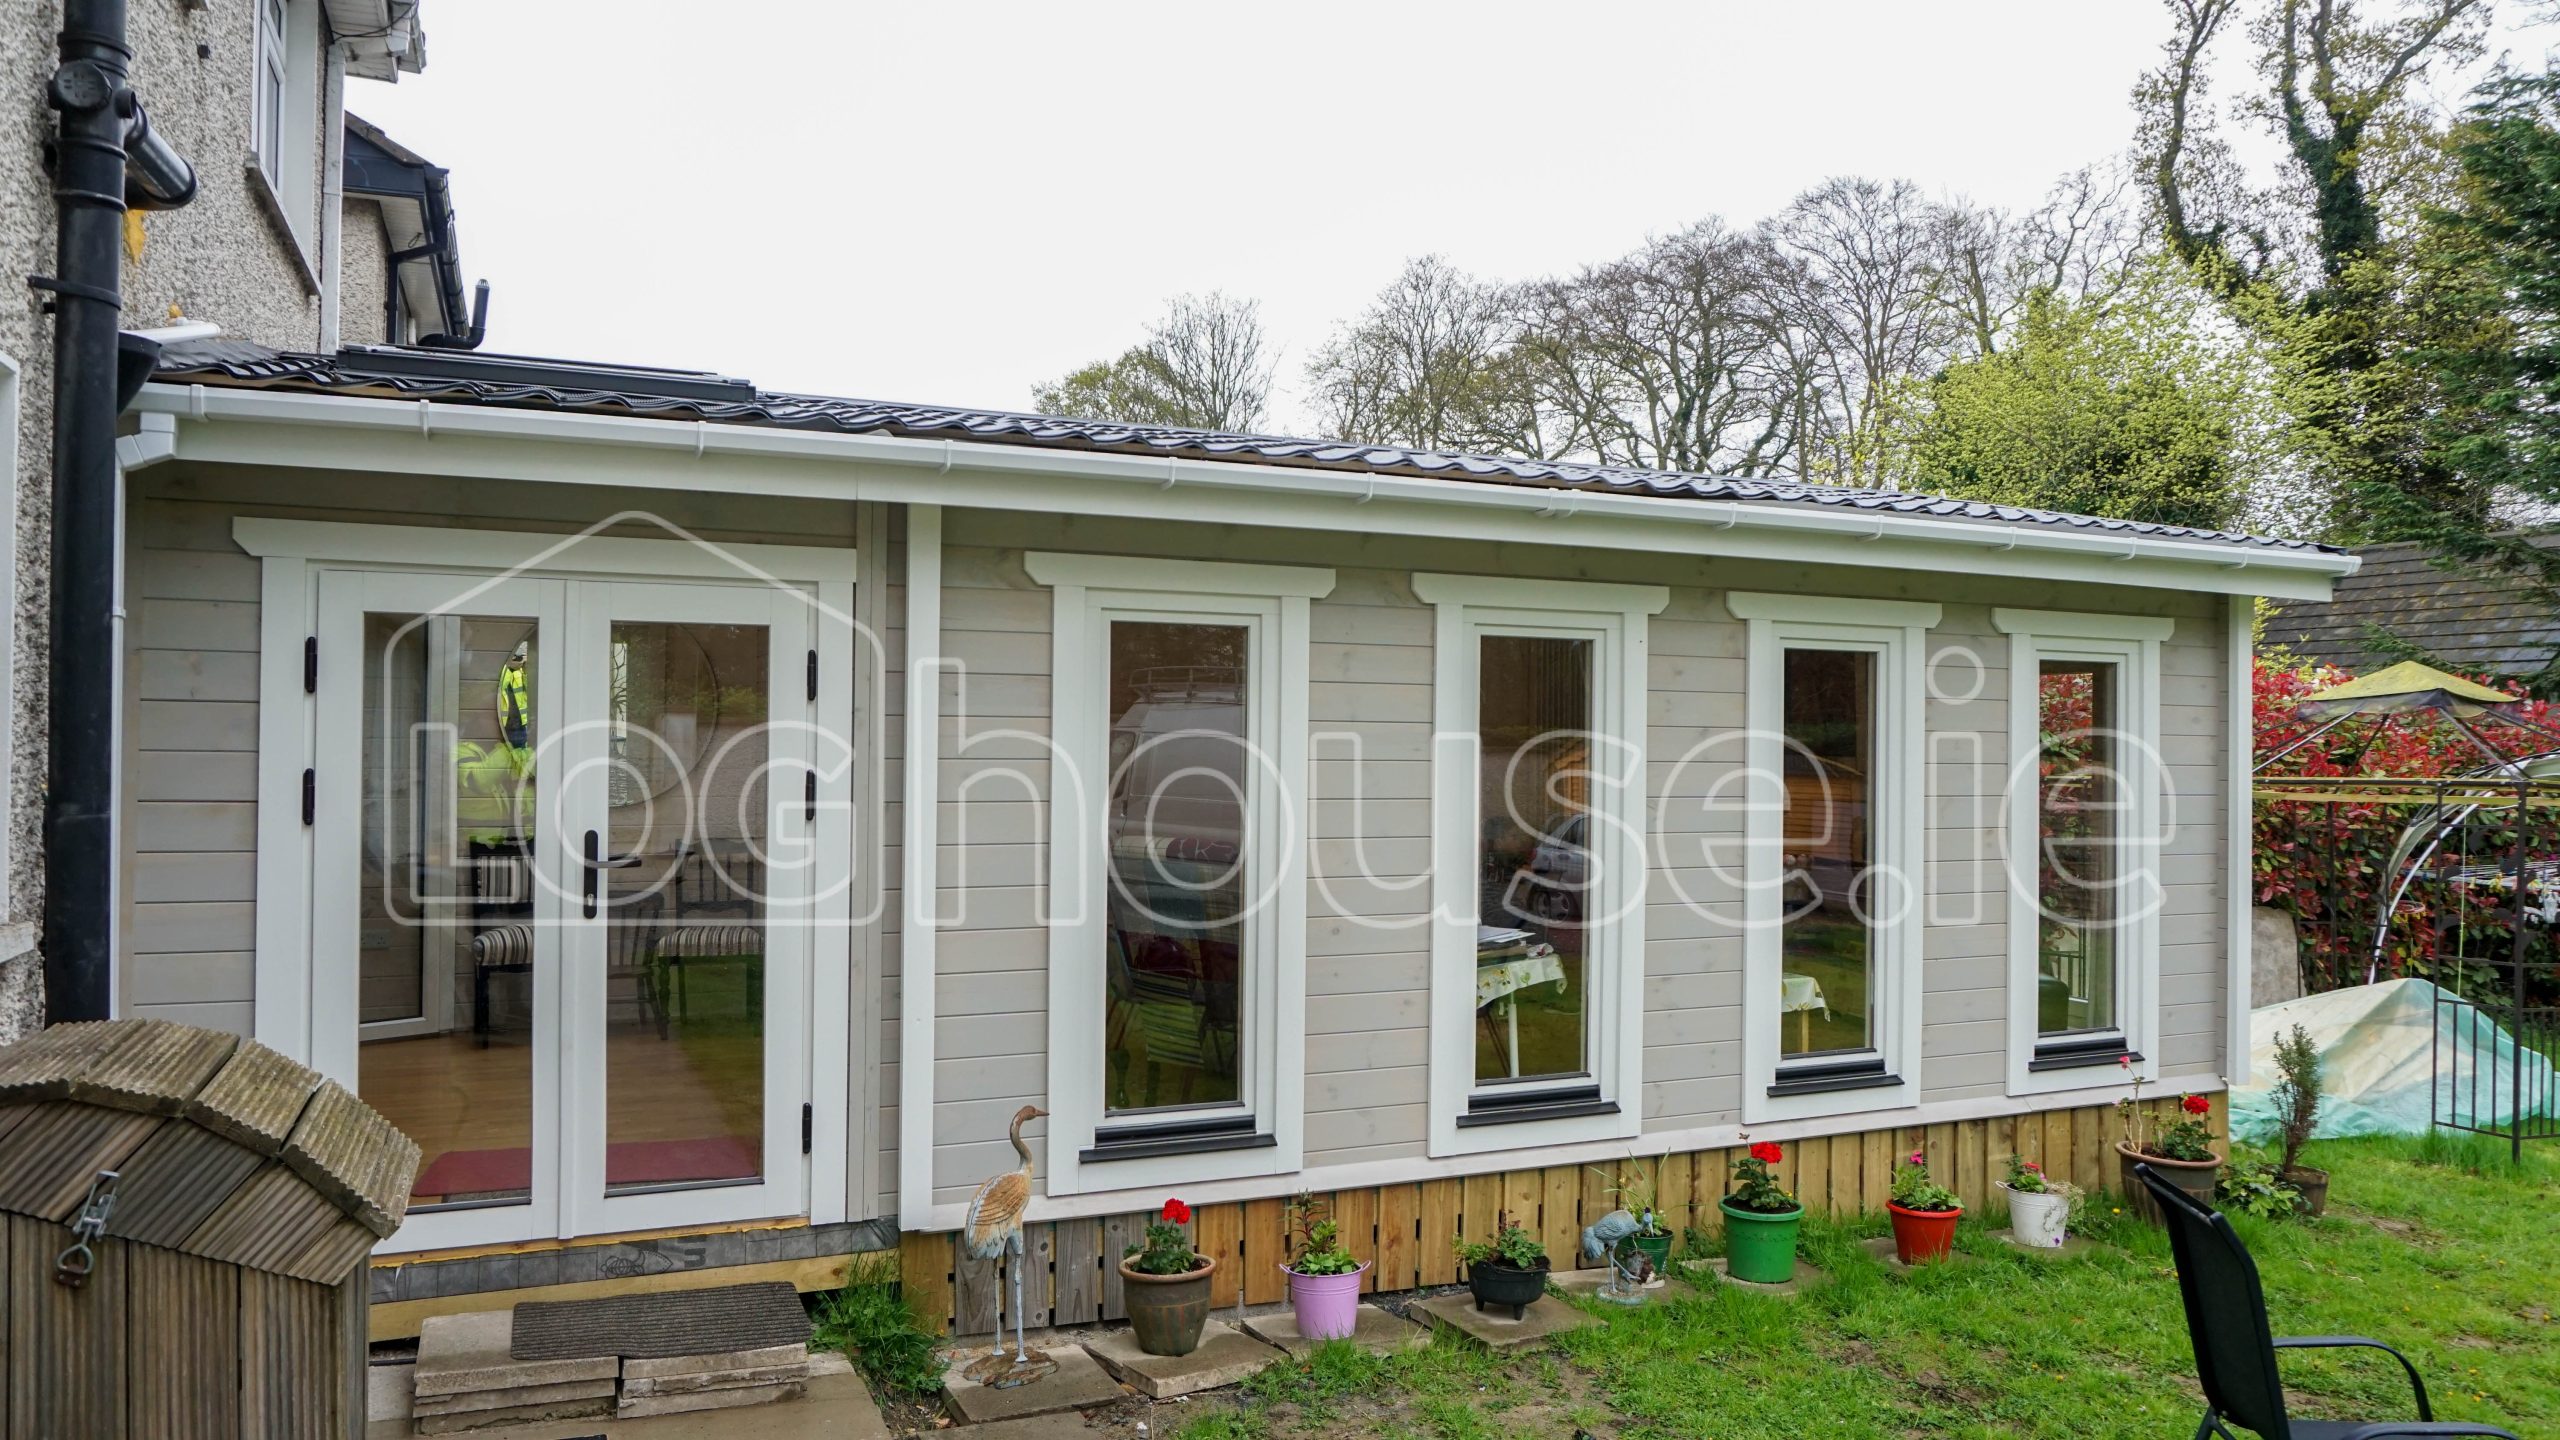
1328,1306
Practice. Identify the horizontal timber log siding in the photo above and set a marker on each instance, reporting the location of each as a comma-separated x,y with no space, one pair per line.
1071,1270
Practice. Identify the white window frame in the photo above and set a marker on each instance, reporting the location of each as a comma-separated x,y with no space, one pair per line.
1895,632
2131,643
1088,593
1614,618
282,152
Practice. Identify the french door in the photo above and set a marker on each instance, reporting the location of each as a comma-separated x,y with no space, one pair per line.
563,882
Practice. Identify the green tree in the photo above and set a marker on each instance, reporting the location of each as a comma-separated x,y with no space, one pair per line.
2491,284
2131,406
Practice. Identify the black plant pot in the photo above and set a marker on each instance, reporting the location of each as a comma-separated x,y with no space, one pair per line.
1499,1285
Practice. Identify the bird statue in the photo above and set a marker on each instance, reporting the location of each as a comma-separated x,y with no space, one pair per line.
993,1230
1601,1240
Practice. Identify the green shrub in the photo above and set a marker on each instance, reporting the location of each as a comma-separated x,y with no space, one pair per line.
872,1322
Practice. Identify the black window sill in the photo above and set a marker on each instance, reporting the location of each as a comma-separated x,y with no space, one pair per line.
2085,1055
1572,1104
1196,1138
1823,1079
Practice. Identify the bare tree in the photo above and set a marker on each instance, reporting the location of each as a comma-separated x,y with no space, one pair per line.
1861,281
1202,366
1426,365
1669,357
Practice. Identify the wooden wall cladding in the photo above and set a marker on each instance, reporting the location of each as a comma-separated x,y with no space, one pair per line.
1071,1274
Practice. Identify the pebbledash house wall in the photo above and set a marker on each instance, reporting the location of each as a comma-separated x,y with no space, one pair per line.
226,258
1367,959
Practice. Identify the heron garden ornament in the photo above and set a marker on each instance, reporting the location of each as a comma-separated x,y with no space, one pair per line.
993,1231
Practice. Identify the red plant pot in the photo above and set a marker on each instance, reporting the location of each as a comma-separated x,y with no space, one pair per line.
1922,1235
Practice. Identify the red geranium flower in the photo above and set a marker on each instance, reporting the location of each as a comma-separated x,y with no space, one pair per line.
2196,1104
1767,1152
1177,1212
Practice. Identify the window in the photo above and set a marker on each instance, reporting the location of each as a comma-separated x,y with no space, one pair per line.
2083,817
1177,887
266,125
1831,845
1538,860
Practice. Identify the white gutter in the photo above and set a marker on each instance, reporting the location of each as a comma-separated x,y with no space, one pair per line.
2282,570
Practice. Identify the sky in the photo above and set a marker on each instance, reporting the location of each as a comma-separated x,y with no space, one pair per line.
949,203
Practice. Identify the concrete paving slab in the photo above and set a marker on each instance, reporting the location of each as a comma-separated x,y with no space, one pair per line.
733,1397
1805,1278
512,1397
388,1392
514,1415
1078,1382
460,1353
1496,1330
1375,1331
1587,1284
1067,1426
1881,1247
837,1407
2072,1248
639,1368
704,1380
1225,1356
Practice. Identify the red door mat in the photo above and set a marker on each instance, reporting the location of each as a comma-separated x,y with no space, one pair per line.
631,1162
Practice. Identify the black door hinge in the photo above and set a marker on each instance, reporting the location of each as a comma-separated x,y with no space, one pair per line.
813,674
809,798
310,795
311,665
808,1126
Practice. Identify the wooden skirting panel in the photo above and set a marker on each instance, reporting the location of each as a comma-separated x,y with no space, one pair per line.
1071,1275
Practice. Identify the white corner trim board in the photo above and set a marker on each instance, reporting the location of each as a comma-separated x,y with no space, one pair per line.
2239,835
919,872
365,435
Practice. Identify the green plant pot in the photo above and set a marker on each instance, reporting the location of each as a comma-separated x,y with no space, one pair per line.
1760,1248
1656,1248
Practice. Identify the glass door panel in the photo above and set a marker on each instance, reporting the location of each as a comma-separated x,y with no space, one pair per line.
687,819
431,924
686,807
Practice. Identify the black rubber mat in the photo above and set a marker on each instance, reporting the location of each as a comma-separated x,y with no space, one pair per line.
661,1327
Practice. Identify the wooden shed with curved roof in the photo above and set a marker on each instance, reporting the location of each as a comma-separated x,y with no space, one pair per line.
188,1216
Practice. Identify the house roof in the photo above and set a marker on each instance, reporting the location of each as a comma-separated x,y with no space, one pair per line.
532,383
416,197
2482,624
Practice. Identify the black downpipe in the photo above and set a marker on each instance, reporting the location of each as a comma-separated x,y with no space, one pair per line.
93,173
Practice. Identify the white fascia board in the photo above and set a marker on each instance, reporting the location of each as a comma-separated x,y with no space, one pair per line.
238,425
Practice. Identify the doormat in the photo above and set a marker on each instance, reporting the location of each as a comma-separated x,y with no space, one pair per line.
662,1326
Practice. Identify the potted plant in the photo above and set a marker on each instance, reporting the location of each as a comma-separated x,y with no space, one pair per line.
2297,1097
2039,1206
1324,1280
1760,1220
2179,1151
1168,1285
1634,1193
1510,1269
1924,1212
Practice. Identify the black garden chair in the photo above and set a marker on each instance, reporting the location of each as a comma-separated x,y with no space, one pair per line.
2235,1350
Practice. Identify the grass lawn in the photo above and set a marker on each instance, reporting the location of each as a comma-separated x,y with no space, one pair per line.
2431,1247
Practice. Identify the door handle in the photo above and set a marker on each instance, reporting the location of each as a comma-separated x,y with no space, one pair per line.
594,861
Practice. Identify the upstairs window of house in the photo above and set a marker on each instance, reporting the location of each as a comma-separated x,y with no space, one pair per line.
266,129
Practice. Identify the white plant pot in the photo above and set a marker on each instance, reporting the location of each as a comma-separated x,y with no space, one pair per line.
2037,1219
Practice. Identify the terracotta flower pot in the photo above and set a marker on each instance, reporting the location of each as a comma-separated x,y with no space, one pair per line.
1920,1236
2314,1185
1494,1283
1168,1311
2195,1177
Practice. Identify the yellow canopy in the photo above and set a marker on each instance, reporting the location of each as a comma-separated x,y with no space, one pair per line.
2403,687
